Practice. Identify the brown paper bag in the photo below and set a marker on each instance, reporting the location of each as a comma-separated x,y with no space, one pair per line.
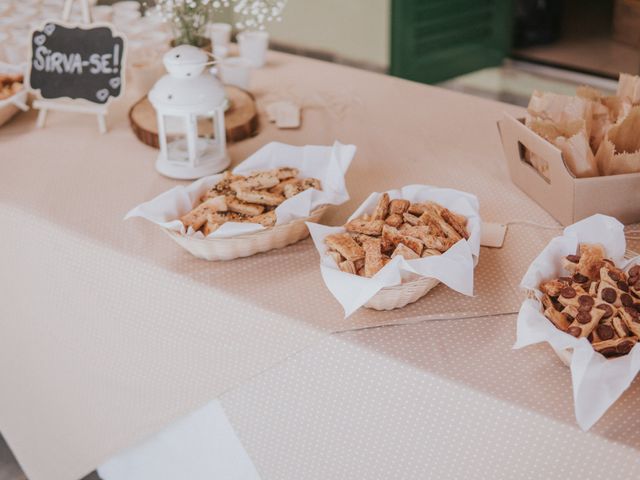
561,109
629,88
571,138
620,151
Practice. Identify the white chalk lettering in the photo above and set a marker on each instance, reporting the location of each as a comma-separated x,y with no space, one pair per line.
55,62
58,62
100,63
38,60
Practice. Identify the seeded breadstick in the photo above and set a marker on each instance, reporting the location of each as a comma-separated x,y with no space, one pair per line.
209,228
279,189
392,235
458,222
348,267
441,244
412,219
395,220
404,252
345,245
284,173
267,219
238,206
417,208
382,208
373,257
197,217
292,190
259,181
336,256
373,227
262,197
399,206
308,183
432,218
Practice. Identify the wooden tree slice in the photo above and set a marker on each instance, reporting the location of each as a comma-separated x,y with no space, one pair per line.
241,119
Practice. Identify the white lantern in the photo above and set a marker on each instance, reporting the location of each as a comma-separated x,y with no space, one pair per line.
186,96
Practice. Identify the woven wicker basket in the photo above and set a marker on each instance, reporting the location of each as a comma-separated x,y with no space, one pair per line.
248,244
390,298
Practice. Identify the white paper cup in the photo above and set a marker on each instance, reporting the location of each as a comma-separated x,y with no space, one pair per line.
235,71
126,6
102,13
220,34
253,47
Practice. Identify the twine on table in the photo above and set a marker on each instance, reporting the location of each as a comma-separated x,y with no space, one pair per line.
629,234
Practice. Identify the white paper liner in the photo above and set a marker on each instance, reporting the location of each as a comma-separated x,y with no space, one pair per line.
328,164
597,381
454,268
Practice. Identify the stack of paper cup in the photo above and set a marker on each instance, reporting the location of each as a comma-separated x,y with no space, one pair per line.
220,34
235,71
253,47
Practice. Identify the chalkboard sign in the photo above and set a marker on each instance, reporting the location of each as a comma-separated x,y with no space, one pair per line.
77,62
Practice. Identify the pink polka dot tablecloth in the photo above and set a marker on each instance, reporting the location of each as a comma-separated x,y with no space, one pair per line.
109,331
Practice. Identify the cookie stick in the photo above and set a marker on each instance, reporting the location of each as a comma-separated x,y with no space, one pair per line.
631,318
574,296
585,321
618,346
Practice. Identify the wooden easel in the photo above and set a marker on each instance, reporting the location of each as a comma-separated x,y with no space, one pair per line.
45,105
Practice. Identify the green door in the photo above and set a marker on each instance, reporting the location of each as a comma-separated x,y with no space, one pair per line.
434,40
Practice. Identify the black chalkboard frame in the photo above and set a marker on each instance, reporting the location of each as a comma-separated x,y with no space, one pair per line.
74,97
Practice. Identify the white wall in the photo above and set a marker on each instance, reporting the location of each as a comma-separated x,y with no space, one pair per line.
356,30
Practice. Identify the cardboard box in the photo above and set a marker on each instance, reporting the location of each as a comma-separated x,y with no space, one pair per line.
567,198
626,22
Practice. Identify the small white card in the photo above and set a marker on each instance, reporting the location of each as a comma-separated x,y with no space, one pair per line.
285,114
492,234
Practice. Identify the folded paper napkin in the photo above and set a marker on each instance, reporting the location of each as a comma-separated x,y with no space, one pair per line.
597,381
328,164
454,268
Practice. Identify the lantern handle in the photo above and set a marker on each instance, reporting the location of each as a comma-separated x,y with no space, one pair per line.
215,59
